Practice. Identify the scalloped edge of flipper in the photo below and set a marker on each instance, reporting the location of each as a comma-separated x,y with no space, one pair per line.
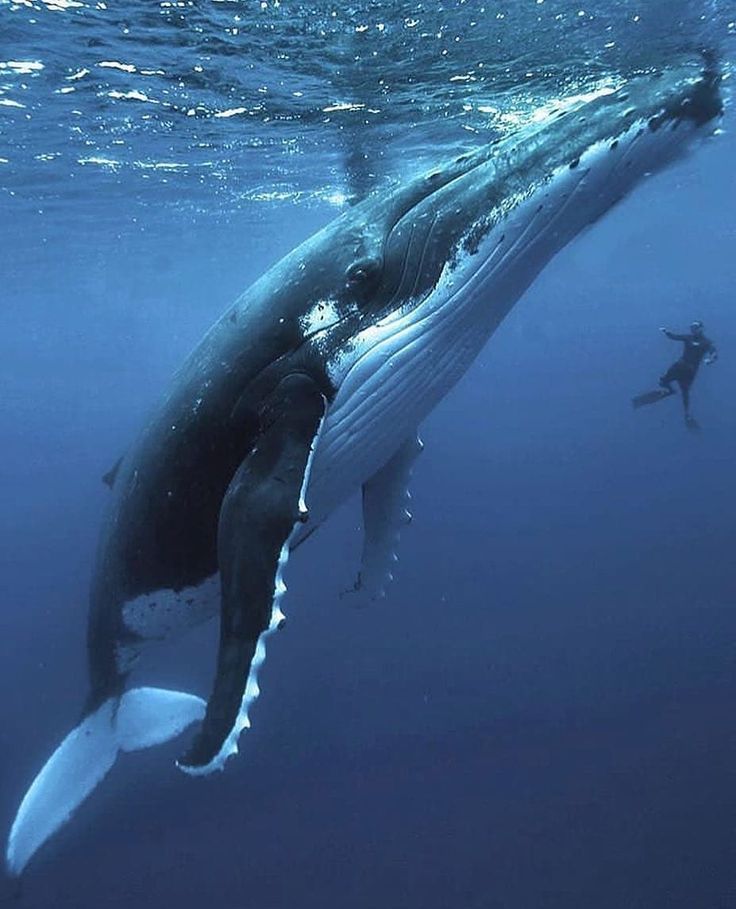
230,745
386,512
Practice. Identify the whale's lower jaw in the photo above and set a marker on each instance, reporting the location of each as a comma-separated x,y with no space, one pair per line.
399,369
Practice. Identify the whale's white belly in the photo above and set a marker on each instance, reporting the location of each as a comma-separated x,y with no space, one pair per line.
397,370
400,368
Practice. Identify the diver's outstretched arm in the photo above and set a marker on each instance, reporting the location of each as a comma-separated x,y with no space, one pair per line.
673,336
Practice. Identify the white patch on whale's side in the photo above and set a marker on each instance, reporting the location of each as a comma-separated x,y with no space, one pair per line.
324,314
165,613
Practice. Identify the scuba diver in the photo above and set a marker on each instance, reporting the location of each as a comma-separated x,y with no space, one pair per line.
697,348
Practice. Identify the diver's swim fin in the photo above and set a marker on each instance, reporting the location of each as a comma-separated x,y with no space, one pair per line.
651,397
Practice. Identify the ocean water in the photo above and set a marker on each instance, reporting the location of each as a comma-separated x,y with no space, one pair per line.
540,713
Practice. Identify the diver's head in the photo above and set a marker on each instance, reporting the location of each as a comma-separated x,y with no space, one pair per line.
696,328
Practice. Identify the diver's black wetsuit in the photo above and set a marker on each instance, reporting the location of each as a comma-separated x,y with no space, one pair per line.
684,370
696,349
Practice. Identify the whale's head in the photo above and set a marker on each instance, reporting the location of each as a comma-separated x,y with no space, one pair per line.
502,210
621,129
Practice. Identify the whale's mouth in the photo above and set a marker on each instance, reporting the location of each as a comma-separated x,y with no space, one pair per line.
685,98
444,213
569,177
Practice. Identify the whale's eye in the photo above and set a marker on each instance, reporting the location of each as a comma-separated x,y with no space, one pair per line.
363,275
364,271
356,274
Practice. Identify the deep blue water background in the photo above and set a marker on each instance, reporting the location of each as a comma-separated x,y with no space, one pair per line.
541,712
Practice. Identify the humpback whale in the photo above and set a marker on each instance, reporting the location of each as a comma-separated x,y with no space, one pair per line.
313,385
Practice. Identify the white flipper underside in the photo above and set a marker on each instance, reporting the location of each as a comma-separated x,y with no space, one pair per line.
385,512
144,717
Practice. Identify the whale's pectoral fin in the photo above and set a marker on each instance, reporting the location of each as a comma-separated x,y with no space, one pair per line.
261,509
385,512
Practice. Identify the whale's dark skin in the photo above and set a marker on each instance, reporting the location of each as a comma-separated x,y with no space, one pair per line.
213,483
